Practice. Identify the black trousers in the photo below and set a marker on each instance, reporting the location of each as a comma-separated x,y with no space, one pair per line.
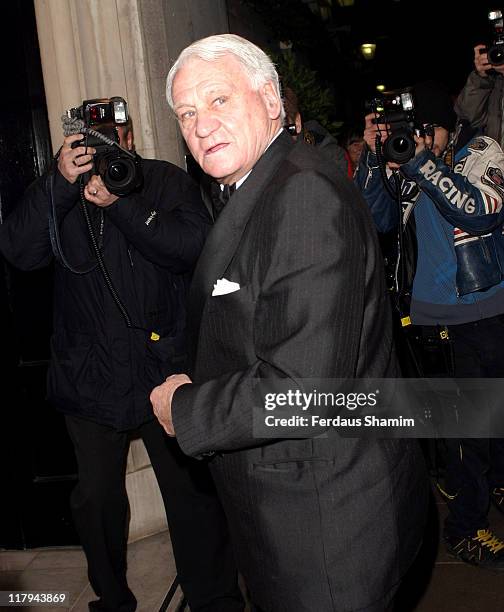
474,466
198,528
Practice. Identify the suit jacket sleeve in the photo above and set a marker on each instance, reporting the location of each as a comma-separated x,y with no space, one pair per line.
308,315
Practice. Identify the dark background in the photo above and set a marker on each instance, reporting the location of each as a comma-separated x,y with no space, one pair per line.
416,40
37,465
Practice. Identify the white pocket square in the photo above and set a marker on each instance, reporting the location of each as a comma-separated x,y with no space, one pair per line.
223,286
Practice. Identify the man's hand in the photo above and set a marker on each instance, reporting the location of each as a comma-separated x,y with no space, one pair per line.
74,162
161,400
422,143
97,193
481,63
371,130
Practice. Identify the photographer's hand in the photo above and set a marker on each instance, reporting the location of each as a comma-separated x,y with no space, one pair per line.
74,162
97,193
422,143
371,130
481,63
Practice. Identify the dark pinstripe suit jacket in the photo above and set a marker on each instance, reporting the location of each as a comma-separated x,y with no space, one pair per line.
317,524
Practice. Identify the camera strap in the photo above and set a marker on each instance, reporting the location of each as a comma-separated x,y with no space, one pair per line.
54,234
401,281
405,239
153,335
73,124
382,165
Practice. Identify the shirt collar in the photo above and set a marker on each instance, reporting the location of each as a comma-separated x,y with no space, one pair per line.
240,182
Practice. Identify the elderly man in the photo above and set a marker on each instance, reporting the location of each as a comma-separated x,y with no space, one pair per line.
317,523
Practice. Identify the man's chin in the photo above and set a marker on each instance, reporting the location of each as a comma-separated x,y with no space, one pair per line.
217,173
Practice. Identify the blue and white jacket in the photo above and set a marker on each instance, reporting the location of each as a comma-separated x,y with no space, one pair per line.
458,215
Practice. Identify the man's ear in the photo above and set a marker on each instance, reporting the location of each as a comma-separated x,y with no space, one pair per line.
271,99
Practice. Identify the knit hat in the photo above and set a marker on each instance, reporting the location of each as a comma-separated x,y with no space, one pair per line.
434,105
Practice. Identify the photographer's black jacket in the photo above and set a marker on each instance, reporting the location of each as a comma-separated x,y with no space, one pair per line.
100,369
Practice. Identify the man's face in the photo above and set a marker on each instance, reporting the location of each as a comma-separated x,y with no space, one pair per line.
441,136
354,150
125,138
226,124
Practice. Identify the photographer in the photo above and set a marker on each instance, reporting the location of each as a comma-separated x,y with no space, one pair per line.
479,104
352,141
456,291
119,330
480,101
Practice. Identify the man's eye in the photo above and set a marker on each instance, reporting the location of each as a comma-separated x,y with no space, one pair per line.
189,114
219,101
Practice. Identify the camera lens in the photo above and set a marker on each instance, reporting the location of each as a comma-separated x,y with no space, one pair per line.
399,147
118,171
121,174
121,171
496,55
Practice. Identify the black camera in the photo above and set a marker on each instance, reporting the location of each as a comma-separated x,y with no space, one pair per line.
396,109
98,119
495,50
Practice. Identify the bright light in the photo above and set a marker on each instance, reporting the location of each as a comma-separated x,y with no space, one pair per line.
380,87
368,50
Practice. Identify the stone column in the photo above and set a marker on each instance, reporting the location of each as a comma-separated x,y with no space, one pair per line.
102,48
94,49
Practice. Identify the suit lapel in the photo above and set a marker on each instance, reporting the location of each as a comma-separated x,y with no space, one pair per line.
224,238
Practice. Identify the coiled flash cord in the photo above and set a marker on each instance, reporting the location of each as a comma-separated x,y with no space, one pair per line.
397,196
76,126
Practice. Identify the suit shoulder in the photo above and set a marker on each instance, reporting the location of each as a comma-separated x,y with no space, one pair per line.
305,158
297,186
305,162
307,180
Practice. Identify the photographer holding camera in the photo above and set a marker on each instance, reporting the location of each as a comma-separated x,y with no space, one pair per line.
452,289
480,101
122,266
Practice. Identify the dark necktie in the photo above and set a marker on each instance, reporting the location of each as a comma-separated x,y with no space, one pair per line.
220,197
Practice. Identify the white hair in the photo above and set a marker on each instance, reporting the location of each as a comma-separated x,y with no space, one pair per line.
256,64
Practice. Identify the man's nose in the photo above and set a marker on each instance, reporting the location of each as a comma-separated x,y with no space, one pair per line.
206,124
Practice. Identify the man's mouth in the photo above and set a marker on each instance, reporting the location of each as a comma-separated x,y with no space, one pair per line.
216,148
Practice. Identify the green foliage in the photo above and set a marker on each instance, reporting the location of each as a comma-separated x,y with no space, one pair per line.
315,101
